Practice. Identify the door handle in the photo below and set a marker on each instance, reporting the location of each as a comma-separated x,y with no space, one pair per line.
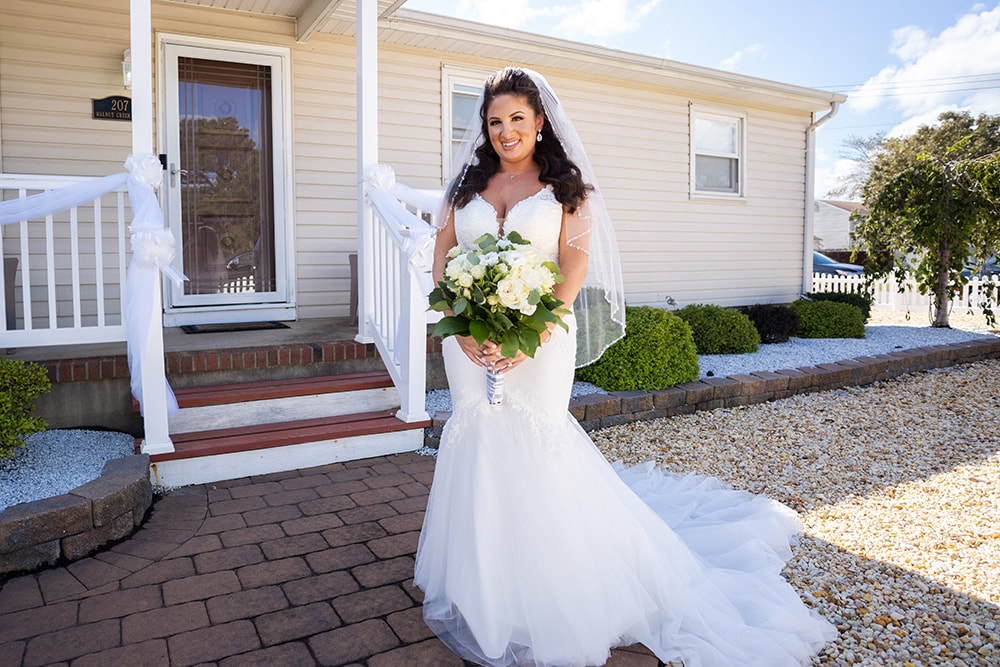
173,174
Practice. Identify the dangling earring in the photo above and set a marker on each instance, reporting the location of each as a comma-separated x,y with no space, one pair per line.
538,137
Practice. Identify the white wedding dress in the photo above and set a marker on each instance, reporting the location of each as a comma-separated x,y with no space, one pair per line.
535,551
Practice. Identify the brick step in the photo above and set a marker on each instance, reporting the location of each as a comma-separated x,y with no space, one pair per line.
213,455
244,404
237,392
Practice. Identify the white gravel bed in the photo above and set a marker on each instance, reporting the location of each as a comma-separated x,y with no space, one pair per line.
57,461
796,353
799,352
898,484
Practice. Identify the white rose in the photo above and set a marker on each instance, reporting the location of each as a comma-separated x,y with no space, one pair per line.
514,258
465,280
510,292
532,277
478,271
454,252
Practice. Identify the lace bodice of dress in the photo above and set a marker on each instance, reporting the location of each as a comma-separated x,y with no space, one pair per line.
537,219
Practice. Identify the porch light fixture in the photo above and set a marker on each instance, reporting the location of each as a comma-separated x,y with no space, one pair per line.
127,69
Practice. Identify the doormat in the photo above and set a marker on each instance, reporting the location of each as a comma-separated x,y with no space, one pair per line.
232,327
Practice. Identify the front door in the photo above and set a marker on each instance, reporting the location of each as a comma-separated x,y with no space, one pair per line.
225,179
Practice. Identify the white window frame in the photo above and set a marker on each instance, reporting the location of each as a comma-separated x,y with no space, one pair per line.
740,119
451,77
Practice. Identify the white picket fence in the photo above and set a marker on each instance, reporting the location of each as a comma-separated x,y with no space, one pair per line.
887,294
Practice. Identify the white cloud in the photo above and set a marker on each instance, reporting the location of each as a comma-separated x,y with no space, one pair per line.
732,61
830,172
593,21
602,21
938,72
515,14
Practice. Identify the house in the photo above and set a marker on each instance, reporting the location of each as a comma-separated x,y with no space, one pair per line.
832,224
267,116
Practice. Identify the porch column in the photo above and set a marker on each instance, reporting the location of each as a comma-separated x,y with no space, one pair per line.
367,72
154,387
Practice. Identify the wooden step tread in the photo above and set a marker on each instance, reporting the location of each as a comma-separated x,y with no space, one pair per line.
269,389
249,438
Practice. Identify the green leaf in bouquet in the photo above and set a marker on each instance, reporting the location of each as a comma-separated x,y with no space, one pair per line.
561,312
473,258
543,314
437,300
486,242
479,330
534,297
451,326
503,321
510,344
459,306
514,237
477,294
529,340
534,323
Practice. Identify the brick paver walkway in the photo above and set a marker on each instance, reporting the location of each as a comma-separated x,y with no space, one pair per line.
307,567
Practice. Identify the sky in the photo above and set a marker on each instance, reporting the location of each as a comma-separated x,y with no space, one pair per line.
900,62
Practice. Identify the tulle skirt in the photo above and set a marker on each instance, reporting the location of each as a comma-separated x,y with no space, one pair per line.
535,551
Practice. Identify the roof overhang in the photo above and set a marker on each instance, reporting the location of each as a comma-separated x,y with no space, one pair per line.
459,37
428,31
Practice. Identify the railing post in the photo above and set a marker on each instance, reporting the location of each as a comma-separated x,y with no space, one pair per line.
367,101
413,355
154,386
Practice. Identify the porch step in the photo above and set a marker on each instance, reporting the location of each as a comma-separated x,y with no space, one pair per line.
245,429
258,403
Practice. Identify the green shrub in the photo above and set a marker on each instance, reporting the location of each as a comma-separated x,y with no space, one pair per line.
719,330
829,319
775,322
20,384
862,300
657,352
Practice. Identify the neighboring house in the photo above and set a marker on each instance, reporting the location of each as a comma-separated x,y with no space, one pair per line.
832,224
262,112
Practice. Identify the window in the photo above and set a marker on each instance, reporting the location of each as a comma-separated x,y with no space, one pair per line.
461,90
718,150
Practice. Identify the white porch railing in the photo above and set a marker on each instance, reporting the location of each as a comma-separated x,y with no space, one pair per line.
888,295
398,266
68,269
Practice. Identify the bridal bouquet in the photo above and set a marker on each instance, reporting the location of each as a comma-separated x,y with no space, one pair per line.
500,290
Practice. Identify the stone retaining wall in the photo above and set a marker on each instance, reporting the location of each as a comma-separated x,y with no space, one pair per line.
75,524
595,411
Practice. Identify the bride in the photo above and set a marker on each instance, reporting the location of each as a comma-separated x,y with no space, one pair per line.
534,550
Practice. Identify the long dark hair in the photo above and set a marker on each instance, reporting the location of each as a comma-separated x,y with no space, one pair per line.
557,169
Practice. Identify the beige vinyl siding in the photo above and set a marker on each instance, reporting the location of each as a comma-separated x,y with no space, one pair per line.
694,250
50,68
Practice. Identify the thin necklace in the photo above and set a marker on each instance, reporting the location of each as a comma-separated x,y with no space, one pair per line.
511,177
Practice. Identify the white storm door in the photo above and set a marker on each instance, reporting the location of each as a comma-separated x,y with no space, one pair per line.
226,177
